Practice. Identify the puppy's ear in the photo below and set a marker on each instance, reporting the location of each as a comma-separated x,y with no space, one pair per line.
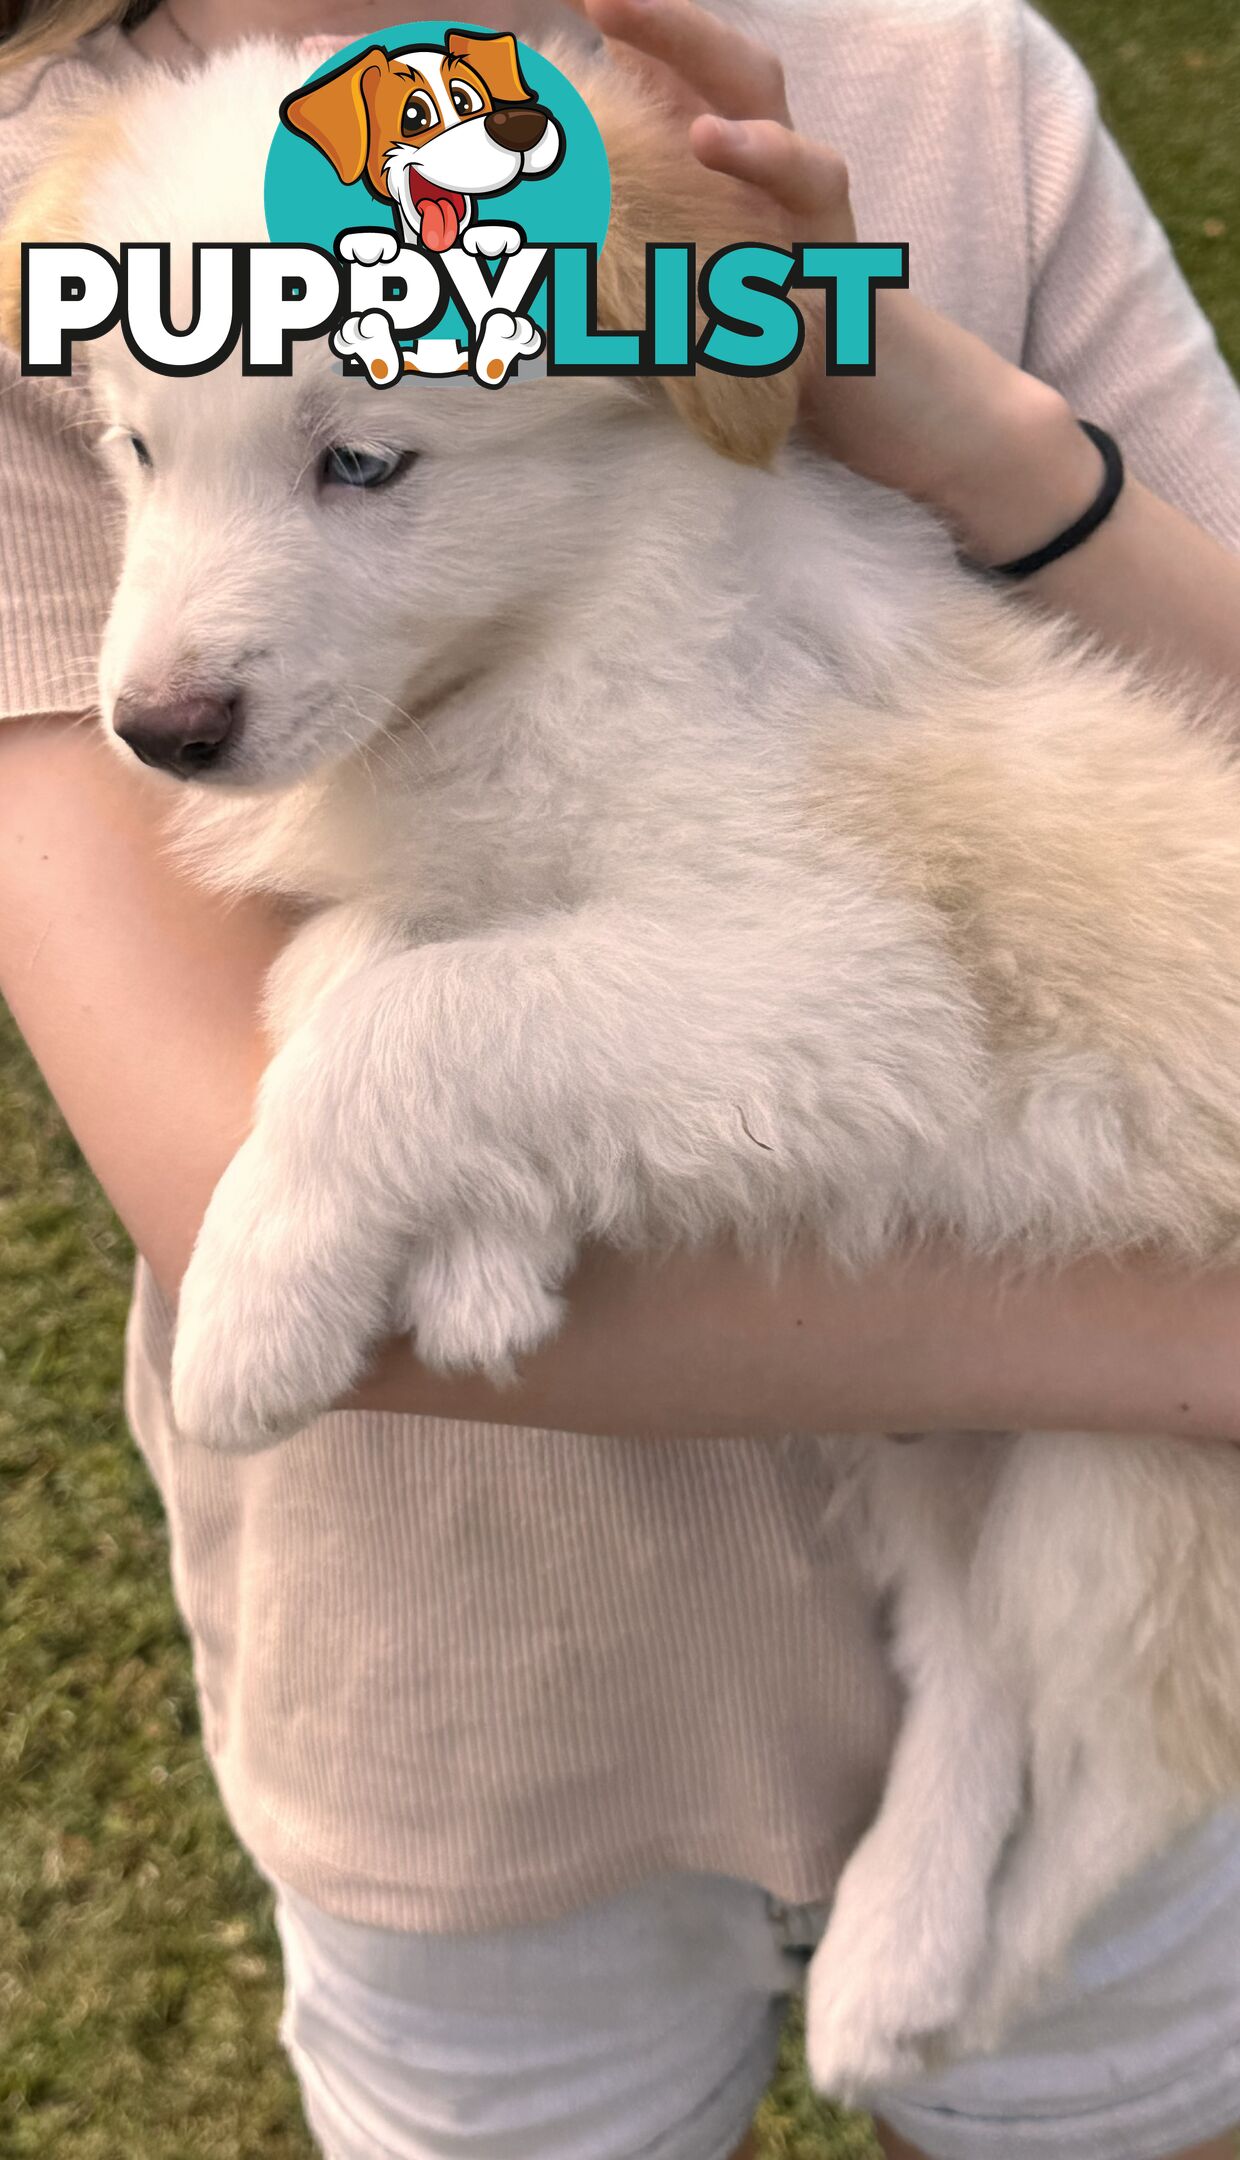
50,210
495,59
335,113
19,228
659,192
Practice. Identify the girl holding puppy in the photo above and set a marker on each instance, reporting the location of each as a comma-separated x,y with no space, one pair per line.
552,1742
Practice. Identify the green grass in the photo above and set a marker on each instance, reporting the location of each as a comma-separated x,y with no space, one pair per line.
1169,75
138,1978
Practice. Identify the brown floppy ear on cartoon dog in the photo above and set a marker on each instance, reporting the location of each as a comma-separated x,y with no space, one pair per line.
340,115
495,60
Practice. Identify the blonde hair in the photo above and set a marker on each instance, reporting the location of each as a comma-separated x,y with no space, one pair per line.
45,27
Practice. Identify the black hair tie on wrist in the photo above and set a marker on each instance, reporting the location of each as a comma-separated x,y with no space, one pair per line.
1099,510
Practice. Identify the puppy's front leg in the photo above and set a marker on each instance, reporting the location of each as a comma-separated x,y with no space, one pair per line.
434,1139
420,1139
237,1328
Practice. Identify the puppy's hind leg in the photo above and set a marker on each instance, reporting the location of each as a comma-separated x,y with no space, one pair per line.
909,1925
1113,1813
1107,1565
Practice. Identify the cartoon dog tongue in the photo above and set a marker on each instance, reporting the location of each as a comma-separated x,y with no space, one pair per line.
440,222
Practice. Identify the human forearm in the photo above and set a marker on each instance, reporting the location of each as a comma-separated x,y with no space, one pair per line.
139,996
704,1346
136,992
944,418
1000,456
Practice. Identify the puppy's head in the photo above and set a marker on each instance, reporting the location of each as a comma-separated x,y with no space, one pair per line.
430,128
310,565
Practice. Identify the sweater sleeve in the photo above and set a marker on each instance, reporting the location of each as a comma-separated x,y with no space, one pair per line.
1112,322
58,513
57,563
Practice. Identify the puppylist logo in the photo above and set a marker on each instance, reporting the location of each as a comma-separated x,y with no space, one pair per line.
470,143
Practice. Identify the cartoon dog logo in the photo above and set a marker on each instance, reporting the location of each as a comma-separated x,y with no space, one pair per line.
430,132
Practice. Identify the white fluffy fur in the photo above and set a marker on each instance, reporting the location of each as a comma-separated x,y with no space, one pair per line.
696,851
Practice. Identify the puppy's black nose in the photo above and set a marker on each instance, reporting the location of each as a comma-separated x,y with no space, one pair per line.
185,736
516,127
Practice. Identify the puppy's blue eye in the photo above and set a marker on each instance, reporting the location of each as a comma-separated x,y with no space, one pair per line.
141,452
363,468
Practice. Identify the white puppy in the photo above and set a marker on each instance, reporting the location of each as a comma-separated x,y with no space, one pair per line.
695,851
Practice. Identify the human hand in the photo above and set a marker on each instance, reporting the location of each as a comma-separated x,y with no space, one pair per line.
943,418
728,91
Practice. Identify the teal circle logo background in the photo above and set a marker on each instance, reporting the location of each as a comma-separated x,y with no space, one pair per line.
307,204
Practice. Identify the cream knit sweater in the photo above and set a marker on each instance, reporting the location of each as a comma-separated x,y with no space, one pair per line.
458,1677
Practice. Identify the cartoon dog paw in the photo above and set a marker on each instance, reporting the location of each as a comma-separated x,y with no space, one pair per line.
368,247
502,341
370,339
492,240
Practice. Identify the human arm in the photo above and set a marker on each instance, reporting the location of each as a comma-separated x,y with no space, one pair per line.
160,1090
138,997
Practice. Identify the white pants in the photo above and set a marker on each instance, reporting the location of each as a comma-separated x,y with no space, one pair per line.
646,2029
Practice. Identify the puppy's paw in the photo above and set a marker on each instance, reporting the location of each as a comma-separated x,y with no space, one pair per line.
280,1304
477,1303
892,1973
502,341
370,340
369,247
852,2051
492,240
